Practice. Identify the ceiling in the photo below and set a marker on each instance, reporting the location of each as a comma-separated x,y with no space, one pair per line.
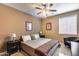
30,8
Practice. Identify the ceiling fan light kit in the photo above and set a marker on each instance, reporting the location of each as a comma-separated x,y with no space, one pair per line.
45,9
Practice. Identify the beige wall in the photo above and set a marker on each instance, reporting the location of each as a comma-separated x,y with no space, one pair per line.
13,21
54,34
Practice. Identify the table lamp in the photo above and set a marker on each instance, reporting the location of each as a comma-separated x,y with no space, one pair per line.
13,35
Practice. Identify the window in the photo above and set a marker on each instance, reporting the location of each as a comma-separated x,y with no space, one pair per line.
68,24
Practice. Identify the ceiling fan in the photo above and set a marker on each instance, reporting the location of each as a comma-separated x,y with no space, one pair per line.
45,8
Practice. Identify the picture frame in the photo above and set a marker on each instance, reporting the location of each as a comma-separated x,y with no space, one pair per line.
48,26
28,26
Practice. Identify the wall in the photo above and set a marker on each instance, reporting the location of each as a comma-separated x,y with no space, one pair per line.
13,21
54,33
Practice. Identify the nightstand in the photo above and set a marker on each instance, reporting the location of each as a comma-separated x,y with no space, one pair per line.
13,46
42,36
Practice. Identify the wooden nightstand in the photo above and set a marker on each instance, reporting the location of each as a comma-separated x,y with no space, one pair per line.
42,36
13,46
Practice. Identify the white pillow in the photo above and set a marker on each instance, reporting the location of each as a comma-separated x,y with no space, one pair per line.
35,36
26,37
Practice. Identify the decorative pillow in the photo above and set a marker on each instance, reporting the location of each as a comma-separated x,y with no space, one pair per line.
35,36
26,37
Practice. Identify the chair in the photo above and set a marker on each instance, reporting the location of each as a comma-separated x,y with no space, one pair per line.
67,41
75,48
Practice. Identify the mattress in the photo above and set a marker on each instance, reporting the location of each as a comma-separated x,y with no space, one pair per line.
31,46
37,42
47,49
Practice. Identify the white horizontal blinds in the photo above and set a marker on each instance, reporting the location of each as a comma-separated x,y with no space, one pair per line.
68,24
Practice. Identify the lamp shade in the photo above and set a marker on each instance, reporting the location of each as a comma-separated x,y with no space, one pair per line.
40,32
13,35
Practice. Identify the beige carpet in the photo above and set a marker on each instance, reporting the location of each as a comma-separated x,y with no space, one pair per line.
62,51
17,54
20,53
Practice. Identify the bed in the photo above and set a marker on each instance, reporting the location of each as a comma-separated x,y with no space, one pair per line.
39,46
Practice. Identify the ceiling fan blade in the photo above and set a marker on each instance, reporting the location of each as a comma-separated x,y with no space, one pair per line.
53,10
39,12
38,8
44,5
50,5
